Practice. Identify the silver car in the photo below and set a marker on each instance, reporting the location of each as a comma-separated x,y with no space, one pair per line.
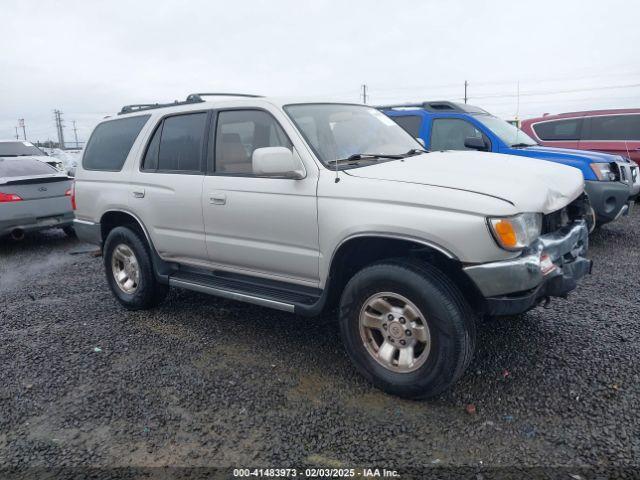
17,148
33,196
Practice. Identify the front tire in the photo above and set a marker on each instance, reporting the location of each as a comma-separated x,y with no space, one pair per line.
407,328
129,270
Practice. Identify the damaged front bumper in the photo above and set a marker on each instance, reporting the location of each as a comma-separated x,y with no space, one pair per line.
550,267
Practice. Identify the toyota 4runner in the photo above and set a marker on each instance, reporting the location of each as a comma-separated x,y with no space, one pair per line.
307,206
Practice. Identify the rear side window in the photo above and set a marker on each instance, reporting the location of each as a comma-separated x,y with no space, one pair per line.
176,144
111,142
24,168
411,123
613,127
559,129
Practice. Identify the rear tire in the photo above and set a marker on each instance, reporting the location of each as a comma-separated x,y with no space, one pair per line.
441,308
129,270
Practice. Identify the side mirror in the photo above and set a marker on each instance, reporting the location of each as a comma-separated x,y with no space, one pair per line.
276,162
475,143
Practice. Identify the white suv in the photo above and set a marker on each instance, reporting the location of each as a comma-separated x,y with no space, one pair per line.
308,206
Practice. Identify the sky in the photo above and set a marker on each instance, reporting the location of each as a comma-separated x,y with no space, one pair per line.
88,58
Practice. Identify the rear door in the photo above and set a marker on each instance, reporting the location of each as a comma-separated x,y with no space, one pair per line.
563,132
166,188
618,134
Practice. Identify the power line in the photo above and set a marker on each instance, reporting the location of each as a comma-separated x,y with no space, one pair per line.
555,92
504,82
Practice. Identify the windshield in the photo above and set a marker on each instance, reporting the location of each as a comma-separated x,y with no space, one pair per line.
509,134
338,131
15,149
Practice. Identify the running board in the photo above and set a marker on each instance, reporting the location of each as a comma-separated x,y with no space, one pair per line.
263,292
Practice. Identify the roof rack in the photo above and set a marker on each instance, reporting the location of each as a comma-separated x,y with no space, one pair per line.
437,106
191,98
197,97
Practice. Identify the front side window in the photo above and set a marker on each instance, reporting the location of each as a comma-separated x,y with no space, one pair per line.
239,133
337,131
411,123
450,134
111,142
613,127
559,129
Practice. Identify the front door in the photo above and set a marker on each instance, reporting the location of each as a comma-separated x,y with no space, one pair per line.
258,225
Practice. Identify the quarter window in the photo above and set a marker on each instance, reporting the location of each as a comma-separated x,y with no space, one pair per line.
559,129
111,142
411,124
150,161
450,134
613,127
239,133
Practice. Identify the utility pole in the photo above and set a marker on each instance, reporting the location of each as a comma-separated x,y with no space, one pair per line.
364,93
59,127
466,84
24,131
75,133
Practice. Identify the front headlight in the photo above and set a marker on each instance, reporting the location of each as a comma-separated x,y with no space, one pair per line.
603,171
517,232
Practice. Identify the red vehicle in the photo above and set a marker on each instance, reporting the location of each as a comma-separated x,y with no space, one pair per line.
610,131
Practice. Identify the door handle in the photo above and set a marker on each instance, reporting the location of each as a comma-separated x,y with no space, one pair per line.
217,199
138,193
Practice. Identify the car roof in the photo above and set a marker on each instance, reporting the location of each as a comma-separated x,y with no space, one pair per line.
220,100
435,106
584,113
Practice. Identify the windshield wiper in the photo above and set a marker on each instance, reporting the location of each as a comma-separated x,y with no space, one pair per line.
364,156
523,145
415,151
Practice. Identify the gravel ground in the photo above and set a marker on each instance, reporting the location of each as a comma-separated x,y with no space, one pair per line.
201,381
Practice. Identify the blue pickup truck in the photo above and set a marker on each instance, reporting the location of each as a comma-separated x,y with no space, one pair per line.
611,181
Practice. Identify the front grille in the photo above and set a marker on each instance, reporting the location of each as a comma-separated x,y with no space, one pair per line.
576,210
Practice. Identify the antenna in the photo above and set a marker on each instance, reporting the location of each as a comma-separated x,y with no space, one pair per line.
466,84
517,109
364,93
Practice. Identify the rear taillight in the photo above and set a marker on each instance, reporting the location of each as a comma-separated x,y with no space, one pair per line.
72,193
9,197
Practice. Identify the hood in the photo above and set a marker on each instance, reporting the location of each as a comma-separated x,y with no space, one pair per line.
530,185
562,153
